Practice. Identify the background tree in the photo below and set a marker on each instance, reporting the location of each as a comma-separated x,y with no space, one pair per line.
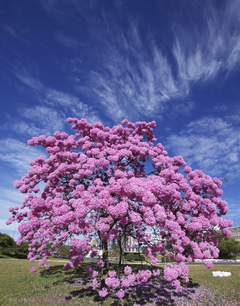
229,248
134,257
64,250
94,243
21,249
9,247
97,185
6,241
114,247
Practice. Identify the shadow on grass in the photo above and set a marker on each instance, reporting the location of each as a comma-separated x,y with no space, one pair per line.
155,289
70,274
191,284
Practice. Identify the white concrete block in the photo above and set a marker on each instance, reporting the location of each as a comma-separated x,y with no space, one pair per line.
221,273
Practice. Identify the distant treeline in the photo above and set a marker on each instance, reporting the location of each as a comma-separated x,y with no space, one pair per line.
8,247
229,249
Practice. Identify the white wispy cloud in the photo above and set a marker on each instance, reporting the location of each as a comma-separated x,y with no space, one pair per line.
203,50
22,127
36,121
26,73
8,29
11,227
126,73
26,78
49,5
211,144
234,211
48,118
233,205
9,198
193,65
72,105
16,31
128,81
12,195
60,98
18,154
53,108
131,79
68,42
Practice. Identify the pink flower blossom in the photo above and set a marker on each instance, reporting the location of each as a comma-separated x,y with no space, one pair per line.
103,292
95,282
112,282
120,294
208,264
112,273
93,253
33,270
89,269
127,270
156,272
94,274
100,263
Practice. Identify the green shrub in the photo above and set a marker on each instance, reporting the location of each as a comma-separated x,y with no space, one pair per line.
134,257
6,241
64,249
229,248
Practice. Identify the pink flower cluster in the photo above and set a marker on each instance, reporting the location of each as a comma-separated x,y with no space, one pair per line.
103,292
33,270
127,270
143,276
208,264
96,185
112,282
100,263
125,282
92,272
172,272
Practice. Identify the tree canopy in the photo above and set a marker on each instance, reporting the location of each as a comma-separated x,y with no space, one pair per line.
229,248
6,241
106,182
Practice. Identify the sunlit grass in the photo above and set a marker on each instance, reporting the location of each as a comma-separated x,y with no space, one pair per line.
228,285
55,286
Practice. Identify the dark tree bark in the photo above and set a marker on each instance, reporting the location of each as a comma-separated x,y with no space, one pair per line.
121,251
104,272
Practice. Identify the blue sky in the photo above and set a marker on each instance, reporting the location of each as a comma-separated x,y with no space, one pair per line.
175,62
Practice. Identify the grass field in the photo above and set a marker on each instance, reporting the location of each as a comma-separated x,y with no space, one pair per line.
54,286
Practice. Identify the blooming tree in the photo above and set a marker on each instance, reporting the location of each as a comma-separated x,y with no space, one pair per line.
97,185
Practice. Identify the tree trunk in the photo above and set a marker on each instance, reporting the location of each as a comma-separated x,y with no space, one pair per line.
121,252
104,272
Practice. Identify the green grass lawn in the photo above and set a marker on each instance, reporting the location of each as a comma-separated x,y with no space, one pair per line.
230,286
54,286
